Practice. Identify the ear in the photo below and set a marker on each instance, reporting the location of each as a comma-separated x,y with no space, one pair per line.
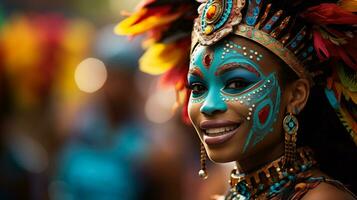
298,94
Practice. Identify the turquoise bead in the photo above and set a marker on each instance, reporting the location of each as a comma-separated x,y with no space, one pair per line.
303,168
291,177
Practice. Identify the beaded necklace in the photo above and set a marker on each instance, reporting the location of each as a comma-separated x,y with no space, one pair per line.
271,179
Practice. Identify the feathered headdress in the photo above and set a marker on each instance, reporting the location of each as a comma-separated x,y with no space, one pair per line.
168,26
311,37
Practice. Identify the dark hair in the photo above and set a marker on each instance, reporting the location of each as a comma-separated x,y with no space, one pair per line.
321,129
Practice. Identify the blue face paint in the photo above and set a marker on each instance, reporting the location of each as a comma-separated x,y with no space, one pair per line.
265,105
240,69
240,73
230,74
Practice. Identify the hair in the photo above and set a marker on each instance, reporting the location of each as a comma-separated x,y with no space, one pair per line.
321,130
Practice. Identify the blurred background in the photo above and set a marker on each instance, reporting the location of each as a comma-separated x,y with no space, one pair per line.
79,121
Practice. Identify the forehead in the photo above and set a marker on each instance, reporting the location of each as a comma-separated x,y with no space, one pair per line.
234,49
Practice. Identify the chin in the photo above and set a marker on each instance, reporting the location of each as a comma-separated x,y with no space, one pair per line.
224,154
227,150
219,158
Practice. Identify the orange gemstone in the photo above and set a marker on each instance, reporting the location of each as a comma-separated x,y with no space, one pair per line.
211,12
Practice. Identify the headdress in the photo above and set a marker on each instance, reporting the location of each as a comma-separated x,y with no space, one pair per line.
314,38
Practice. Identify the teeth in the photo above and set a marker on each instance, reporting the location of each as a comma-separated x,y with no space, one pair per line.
215,130
219,131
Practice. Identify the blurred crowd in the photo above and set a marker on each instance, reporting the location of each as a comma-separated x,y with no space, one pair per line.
77,118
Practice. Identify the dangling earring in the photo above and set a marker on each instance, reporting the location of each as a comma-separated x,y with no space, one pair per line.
203,172
291,125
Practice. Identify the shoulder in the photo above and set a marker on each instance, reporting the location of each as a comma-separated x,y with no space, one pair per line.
325,191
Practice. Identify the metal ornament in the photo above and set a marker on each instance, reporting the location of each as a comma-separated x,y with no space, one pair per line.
270,179
290,125
203,171
217,19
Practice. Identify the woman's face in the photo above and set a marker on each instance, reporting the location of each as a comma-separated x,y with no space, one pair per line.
236,105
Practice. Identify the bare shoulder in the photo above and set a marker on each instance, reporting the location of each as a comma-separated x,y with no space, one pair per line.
325,191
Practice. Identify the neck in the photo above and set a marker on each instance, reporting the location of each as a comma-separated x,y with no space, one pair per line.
271,176
255,161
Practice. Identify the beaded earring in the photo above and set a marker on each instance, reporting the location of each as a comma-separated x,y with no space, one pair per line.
290,125
203,171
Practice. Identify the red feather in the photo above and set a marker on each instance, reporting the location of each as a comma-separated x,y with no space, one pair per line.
327,43
320,46
329,13
326,49
156,11
178,73
145,3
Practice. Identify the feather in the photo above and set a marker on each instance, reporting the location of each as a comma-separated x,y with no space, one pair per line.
146,20
329,13
160,57
325,49
167,25
349,5
329,42
320,46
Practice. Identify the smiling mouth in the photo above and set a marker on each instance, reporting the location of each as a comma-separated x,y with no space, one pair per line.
219,131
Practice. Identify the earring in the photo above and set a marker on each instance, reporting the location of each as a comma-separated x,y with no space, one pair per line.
291,125
203,172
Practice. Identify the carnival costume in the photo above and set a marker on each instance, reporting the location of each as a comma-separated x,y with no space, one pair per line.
314,38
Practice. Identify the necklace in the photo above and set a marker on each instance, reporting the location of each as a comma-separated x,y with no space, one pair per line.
269,179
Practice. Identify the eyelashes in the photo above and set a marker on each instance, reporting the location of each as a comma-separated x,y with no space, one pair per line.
237,84
232,86
197,89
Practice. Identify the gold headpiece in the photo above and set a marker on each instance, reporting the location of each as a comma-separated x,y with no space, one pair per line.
218,18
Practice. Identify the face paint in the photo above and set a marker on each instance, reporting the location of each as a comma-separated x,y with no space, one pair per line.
230,75
251,54
264,107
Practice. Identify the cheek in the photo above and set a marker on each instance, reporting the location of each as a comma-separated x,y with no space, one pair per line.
264,111
193,111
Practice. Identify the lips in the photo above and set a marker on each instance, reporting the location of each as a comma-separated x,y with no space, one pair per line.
218,131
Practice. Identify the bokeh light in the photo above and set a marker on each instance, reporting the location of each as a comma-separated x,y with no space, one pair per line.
90,75
158,107
58,142
29,153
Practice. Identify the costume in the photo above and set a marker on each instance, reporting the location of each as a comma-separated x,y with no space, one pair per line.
316,40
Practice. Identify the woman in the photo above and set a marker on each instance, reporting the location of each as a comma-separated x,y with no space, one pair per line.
257,70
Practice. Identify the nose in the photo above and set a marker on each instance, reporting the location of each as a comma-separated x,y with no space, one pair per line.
213,104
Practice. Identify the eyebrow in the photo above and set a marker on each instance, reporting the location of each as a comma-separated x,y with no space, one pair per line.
196,72
232,66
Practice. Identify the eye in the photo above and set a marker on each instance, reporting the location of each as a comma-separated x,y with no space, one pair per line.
197,89
237,84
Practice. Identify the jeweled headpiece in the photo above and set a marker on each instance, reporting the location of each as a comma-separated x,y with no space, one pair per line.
269,25
315,39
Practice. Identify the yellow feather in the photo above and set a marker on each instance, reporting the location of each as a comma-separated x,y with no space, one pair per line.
349,5
128,26
346,92
148,42
159,58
